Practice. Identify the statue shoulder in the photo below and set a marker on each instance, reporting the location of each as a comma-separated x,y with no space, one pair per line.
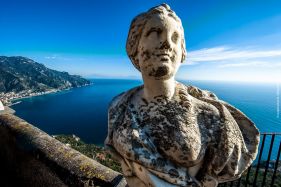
199,93
123,98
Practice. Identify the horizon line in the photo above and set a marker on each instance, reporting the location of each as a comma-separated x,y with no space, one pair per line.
180,79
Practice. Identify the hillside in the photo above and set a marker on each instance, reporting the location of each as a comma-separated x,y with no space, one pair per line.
19,74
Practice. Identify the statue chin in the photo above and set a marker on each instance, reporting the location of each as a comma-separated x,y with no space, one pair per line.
162,72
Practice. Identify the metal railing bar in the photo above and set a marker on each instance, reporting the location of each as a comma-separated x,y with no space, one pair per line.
247,177
238,182
260,155
268,159
276,165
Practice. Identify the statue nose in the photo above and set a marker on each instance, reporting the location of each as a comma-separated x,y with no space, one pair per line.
165,45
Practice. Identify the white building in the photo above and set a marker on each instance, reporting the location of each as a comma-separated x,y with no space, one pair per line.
1,106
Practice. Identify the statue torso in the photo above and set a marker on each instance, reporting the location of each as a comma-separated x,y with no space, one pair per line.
178,130
174,138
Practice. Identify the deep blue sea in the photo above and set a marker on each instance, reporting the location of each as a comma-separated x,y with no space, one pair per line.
83,111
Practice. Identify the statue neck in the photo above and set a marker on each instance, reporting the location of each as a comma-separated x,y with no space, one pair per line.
153,88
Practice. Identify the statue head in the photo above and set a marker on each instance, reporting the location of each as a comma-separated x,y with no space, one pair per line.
155,43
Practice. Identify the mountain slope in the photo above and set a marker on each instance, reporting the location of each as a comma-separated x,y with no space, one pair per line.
19,73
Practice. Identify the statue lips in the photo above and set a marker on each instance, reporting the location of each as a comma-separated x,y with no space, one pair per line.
163,56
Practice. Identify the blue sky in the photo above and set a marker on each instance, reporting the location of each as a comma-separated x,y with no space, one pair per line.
226,39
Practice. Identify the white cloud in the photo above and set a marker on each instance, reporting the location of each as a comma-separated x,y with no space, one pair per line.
230,54
251,64
234,64
51,57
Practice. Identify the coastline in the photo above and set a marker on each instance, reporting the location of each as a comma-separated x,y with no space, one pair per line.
12,101
9,99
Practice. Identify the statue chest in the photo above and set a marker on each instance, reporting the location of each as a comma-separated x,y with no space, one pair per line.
169,129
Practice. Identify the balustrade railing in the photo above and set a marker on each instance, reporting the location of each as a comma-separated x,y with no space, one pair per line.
266,169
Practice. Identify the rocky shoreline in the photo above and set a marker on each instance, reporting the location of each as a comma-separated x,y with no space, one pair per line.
9,97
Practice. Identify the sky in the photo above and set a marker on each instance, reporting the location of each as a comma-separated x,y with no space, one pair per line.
229,40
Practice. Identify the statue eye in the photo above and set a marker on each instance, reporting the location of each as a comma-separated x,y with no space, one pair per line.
175,37
156,30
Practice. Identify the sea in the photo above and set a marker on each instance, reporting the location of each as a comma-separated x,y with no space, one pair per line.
83,111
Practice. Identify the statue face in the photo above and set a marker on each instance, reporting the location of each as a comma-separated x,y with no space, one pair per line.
159,50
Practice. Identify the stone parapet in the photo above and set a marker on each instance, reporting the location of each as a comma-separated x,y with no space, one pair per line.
31,157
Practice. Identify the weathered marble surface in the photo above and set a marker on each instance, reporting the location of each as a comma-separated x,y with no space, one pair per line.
165,133
1,106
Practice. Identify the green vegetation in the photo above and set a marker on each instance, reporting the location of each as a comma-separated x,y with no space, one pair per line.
92,151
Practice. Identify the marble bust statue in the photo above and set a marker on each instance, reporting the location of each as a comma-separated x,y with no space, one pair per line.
165,133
